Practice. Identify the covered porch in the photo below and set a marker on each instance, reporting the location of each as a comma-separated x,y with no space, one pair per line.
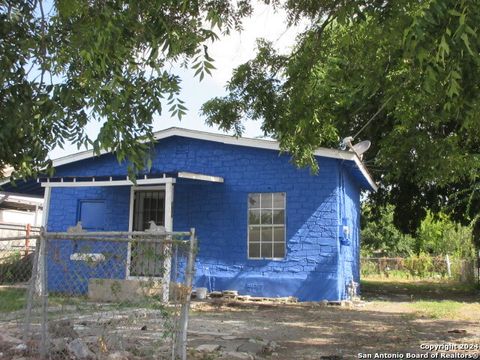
117,203
151,201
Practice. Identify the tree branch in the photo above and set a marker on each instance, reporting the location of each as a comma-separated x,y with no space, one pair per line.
43,48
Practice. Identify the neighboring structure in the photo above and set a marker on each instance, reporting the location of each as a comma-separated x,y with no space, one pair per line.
17,208
20,209
265,227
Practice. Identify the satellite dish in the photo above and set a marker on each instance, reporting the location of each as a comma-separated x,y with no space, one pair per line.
361,147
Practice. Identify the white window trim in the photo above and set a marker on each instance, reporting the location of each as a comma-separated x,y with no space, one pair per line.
168,188
260,225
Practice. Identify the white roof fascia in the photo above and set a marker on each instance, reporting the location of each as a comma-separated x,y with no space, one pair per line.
202,135
243,141
365,173
87,154
230,140
202,177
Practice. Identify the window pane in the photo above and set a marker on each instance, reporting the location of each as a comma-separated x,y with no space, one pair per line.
279,200
279,234
254,250
254,217
279,217
267,250
92,214
267,234
266,216
266,201
254,233
278,250
266,238
254,201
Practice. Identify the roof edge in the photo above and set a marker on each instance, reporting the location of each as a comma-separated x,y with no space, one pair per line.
230,140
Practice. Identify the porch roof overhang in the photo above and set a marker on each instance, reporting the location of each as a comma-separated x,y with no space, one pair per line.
36,187
150,179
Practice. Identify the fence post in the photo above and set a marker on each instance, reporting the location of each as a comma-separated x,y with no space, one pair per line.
27,239
449,269
181,338
167,268
32,289
43,292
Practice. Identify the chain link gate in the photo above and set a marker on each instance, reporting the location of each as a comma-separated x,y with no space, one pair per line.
92,294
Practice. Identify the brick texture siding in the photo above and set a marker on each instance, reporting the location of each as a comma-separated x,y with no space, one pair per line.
316,265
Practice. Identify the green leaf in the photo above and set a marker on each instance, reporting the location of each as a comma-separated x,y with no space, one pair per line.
466,41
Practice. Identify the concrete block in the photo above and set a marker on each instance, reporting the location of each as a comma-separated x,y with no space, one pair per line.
111,290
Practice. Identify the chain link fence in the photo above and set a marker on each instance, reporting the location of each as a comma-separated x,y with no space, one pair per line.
422,267
16,253
103,295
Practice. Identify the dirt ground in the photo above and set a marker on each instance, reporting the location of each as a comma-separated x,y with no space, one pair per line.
385,323
391,320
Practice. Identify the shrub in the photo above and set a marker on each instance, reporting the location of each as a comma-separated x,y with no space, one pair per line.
368,267
420,265
16,268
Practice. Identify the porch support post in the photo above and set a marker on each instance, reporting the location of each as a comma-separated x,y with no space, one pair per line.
168,247
46,206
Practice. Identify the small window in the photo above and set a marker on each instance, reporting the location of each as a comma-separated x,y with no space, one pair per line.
266,226
92,214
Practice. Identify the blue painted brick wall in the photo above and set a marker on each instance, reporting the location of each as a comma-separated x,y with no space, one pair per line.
69,276
349,209
316,266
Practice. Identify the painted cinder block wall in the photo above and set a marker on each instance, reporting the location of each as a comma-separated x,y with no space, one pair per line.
349,214
316,265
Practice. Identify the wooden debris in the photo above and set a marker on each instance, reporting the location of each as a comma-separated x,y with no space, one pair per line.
230,294
215,294
233,295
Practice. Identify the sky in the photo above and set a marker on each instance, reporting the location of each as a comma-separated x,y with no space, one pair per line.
228,53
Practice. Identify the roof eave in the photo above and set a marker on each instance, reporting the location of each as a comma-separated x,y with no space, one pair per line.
230,140
361,166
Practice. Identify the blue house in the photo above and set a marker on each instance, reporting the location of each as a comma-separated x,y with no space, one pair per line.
265,227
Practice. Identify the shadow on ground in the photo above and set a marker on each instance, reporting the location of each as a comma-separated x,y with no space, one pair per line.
315,331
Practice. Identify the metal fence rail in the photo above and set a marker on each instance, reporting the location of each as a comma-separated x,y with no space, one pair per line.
425,267
91,294
17,246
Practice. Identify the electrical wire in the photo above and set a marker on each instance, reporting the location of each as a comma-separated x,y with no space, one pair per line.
373,117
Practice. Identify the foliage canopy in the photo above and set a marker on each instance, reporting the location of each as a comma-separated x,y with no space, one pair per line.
404,74
93,60
437,235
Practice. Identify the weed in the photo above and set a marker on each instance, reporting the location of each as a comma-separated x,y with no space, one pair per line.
11,299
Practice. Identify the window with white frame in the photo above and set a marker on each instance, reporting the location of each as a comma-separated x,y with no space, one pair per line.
266,225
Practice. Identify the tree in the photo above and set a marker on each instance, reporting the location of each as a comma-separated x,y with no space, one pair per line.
380,235
404,74
438,235
67,62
